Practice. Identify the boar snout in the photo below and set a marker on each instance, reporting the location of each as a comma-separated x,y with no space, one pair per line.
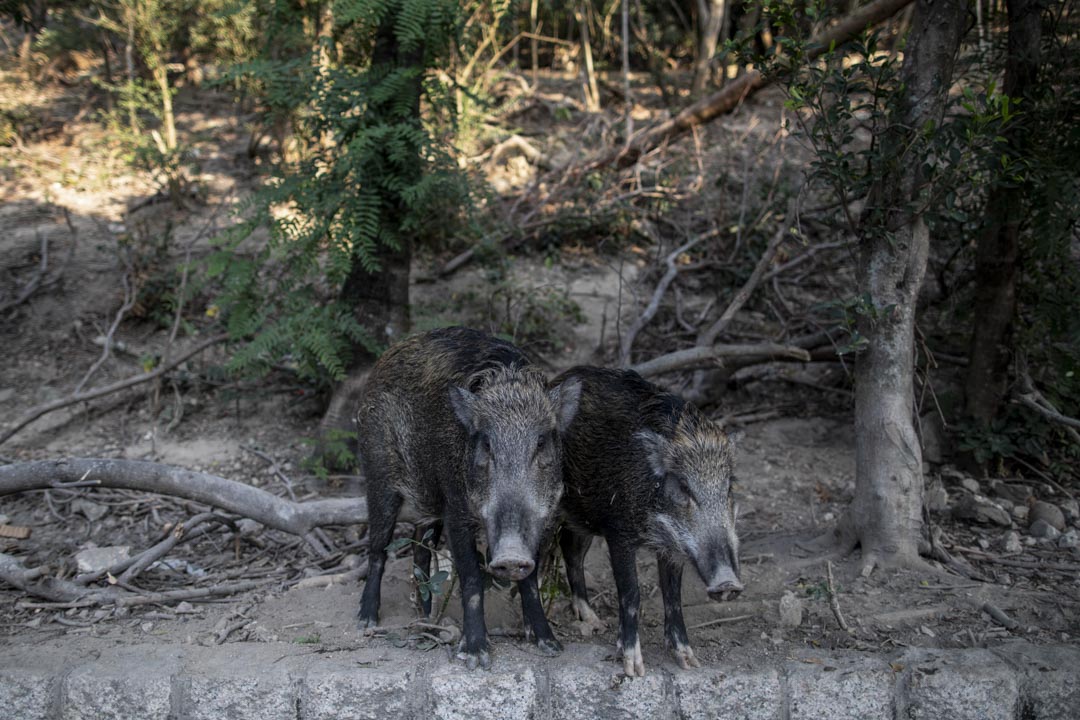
724,586
511,560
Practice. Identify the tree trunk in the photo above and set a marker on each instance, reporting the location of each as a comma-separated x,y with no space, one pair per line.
885,517
711,22
380,299
998,250
534,50
168,118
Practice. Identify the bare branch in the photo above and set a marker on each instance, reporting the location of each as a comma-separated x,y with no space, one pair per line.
708,337
36,412
1028,400
732,95
35,282
673,269
126,279
705,357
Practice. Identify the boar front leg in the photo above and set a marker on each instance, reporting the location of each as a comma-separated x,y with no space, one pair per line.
624,567
674,625
473,648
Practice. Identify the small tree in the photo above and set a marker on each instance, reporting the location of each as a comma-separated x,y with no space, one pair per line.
330,288
912,156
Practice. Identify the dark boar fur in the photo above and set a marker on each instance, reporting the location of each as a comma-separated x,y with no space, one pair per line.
643,468
461,426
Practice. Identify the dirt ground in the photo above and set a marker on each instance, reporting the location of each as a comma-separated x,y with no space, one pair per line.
796,469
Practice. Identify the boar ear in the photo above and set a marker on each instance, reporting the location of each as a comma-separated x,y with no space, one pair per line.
736,438
566,398
656,451
464,404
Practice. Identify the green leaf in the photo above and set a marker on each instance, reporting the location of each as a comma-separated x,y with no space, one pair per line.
398,544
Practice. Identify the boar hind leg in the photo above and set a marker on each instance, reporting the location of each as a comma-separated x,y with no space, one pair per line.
536,625
473,648
574,548
427,540
383,507
674,625
624,566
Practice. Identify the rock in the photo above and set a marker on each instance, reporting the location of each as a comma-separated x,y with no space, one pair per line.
94,560
952,473
1010,542
247,527
937,498
791,610
1017,493
971,485
6,394
92,511
1069,539
1071,508
933,438
1020,512
981,510
1050,513
1005,504
1043,530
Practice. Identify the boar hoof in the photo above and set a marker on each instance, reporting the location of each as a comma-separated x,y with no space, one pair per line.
589,623
473,659
632,661
367,625
550,647
684,656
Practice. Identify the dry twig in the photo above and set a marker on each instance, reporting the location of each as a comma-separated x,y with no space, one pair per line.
834,602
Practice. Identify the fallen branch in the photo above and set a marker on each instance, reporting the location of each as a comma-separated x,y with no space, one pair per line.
705,357
36,412
299,519
132,566
1028,564
726,100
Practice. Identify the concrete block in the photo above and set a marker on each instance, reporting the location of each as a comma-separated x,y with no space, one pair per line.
591,687
508,691
1049,677
27,692
824,687
728,694
239,681
132,683
959,685
360,686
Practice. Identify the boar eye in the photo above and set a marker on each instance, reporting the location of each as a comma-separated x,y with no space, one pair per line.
541,443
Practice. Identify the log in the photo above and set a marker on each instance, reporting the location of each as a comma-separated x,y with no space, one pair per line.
229,495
